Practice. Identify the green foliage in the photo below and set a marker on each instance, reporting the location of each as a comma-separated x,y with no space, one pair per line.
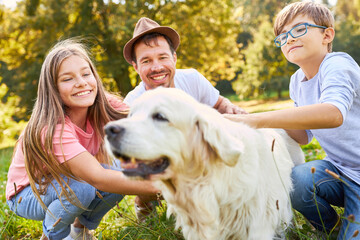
208,31
226,40
207,28
253,11
313,151
265,68
348,28
10,129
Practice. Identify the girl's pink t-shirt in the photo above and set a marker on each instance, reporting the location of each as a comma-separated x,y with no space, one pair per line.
74,141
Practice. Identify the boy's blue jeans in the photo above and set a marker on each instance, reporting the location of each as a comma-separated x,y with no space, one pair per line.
30,208
328,191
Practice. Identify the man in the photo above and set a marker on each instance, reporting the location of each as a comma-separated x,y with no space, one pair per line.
151,51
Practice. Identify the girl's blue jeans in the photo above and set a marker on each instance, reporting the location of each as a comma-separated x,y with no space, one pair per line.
90,217
314,194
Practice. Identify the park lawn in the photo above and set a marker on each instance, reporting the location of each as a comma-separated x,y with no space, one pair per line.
120,223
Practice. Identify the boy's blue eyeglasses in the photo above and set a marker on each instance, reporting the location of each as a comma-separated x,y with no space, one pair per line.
295,32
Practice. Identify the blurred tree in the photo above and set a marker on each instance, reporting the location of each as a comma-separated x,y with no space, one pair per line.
265,69
10,129
207,29
229,40
347,10
347,37
253,11
26,35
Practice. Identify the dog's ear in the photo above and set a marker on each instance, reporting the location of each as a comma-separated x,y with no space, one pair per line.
220,140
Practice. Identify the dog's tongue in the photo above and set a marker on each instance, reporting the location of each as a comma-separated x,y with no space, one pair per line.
143,170
128,165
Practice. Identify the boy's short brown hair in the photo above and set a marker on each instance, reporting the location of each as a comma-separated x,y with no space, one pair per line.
319,13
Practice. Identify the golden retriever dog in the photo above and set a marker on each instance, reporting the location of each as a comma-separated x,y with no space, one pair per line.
221,179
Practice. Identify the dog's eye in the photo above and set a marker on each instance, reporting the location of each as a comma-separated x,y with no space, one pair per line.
159,117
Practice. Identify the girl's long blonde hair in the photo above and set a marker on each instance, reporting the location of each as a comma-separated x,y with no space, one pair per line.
41,164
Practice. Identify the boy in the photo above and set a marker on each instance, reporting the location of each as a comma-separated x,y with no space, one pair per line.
326,92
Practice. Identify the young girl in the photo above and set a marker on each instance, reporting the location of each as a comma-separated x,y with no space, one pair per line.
59,163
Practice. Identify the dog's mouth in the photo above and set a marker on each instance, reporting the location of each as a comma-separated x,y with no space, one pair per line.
133,167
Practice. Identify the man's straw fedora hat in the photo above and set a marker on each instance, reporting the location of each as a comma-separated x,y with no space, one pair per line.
144,26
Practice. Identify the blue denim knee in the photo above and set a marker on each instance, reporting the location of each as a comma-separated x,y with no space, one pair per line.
314,193
63,213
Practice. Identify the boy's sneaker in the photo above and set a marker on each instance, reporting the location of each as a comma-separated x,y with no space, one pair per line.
143,213
80,234
43,237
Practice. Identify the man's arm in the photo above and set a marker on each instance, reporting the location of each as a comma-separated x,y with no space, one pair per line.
223,105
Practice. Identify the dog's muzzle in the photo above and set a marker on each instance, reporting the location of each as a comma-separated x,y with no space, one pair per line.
114,134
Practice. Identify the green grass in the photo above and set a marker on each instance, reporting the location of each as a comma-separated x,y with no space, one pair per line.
14,227
120,223
272,95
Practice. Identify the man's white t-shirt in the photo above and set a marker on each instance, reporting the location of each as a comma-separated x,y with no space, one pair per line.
190,81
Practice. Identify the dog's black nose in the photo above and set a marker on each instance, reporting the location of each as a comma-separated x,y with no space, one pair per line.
114,131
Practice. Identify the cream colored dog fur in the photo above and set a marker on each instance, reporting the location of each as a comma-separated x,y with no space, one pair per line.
221,179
